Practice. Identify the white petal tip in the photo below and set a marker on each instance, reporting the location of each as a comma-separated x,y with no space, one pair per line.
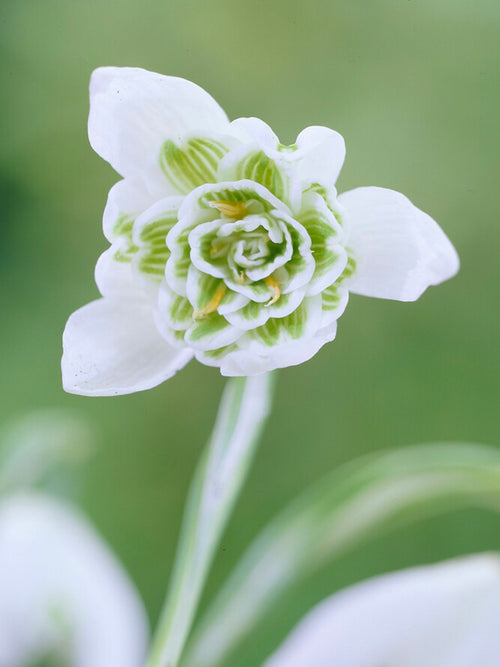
400,251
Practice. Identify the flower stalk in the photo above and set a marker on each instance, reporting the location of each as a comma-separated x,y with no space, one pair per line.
215,487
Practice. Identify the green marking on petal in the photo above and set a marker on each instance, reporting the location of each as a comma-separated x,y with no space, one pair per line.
180,313
258,290
123,230
258,167
220,352
293,325
192,165
322,235
287,148
177,336
181,260
251,311
329,200
207,326
232,195
349,269
123,226
210,292
331,297
154,252
297,262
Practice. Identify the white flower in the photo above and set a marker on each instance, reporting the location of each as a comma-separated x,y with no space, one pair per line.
442,615
227,245
62,593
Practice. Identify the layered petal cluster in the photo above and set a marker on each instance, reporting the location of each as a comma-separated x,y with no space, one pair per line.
63,595
443,615
227,245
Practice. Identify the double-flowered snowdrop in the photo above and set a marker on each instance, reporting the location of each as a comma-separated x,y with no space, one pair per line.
64,598
442,615
227,245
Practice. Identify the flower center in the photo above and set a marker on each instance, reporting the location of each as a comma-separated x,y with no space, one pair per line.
248,246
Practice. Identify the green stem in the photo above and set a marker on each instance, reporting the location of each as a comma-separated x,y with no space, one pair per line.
215,487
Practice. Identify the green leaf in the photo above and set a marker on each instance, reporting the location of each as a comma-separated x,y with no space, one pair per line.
214,490
356,502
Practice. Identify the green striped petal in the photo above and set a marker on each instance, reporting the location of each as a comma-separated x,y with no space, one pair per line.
180,313
211,332
174,311
258,291
256,166
333,302
330,197
214,357
302,322
153,252
203,241
202,288
177,266
257,197
330,257
124,245
249,317
192,164
350,268
299,270
254,315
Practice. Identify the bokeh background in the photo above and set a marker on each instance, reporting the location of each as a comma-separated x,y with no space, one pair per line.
413,85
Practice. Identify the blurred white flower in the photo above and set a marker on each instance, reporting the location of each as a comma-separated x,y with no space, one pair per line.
443,615
226,244
63,595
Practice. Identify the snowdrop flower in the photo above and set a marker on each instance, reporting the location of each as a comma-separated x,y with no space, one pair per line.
227,245
63,595
442,615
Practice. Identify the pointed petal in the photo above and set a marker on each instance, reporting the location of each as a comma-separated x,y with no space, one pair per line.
399,249
112,346
439,616
60,583
133,112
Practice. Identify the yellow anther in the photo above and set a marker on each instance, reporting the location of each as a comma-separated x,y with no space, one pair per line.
271,282
212,305
235,210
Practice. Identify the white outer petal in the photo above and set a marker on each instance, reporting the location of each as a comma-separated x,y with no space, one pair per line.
443,615
399,249
54,567
112,346
115,278
320,155
249,130
133,111
127,197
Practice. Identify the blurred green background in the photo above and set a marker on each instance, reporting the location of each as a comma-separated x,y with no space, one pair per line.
414,87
